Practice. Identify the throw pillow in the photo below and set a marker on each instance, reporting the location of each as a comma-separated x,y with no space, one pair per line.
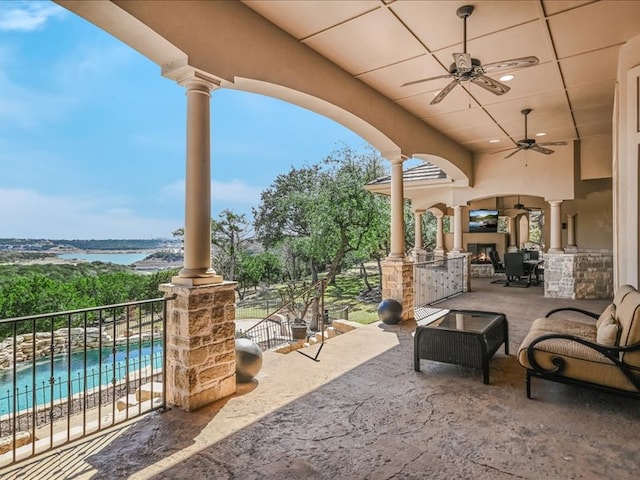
607,333
610,311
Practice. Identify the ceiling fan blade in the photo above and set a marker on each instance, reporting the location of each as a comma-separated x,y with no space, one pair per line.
425,80
509,64
463,62
444,92
512,154
490,84
540,149
504,150
552,143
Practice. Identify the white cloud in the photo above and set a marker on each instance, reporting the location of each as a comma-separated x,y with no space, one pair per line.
222,193
235,191
28,16
30,214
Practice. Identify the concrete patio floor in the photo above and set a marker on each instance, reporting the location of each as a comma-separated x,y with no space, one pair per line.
362,412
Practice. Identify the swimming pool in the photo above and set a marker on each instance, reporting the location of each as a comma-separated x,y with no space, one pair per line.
100,368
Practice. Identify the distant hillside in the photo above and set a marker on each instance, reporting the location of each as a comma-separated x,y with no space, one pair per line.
110,244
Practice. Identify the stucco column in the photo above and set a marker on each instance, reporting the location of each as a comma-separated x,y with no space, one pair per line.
457,229
418,250
397,211
513,246
571,232
555,236
524,230
197,225
397,269
440,250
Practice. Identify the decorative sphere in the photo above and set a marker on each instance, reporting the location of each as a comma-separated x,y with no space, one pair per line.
390,311
248,360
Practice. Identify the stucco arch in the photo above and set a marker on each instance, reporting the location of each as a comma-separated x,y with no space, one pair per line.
370,133
231,43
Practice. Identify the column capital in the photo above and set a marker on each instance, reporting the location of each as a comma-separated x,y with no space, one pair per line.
554,203
394,156
191,77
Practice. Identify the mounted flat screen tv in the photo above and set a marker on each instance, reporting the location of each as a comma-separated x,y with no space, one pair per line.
485,221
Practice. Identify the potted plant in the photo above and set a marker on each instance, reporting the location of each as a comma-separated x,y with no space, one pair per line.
297,298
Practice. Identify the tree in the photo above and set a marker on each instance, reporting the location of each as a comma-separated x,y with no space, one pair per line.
254,268
228,235
323,211
284,215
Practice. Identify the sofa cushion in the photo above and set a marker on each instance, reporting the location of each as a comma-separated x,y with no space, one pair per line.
628,316
581,362
607,333
608,312
563,325
621,292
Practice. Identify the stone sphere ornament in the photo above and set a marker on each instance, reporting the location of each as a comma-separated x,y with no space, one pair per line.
390,311
248,360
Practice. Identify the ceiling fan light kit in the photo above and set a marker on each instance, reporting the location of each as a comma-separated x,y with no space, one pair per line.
465,69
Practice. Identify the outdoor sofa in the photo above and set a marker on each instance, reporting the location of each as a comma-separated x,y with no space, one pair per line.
604,354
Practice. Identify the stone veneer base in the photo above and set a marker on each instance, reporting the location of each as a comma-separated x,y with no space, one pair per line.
397,283
201,360
581,275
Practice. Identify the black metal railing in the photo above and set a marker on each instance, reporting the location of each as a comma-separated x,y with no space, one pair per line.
256,308
68,374
438,279
279,326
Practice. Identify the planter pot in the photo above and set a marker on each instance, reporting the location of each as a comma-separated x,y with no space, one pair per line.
299,331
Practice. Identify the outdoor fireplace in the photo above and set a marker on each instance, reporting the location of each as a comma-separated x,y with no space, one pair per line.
480,252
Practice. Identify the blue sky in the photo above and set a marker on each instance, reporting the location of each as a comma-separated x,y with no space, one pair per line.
92,137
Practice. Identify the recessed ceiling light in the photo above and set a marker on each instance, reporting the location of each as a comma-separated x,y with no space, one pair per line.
506,78
495,140
541,134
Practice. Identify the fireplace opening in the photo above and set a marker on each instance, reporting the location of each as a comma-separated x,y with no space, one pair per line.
480,252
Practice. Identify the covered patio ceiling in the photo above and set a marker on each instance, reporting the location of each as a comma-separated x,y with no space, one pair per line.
387,43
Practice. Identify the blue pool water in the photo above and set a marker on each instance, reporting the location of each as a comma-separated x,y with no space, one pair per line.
113,366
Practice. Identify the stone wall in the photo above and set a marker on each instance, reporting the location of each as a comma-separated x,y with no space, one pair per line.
584,275
483,270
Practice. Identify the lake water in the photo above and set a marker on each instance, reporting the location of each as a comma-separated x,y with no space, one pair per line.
117,258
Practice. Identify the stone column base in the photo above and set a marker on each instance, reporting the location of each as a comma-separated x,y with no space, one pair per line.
201,358
397,283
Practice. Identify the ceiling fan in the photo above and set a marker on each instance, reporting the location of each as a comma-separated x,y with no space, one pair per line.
521,206
530,143
467,69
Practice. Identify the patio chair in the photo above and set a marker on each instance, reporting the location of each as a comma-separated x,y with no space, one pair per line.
515,269
498,267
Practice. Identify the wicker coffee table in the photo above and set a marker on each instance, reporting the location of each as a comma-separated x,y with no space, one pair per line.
462,337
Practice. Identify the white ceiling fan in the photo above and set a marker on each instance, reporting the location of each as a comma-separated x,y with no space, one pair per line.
467,69
530,143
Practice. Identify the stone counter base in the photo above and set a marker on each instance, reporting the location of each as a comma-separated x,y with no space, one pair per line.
580,275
